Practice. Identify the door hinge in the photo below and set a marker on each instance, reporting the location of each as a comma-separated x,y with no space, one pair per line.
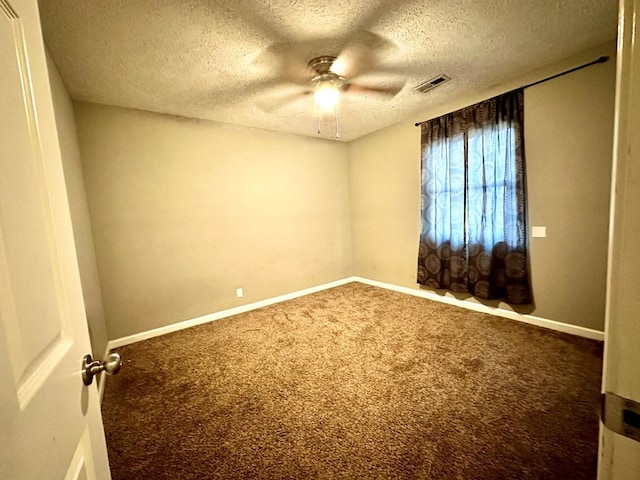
621,415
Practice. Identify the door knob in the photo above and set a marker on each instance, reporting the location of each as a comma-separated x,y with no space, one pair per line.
90,367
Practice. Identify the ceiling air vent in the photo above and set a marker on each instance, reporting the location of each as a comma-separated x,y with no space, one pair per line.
431,84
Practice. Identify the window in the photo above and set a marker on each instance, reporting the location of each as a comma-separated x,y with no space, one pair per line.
473,235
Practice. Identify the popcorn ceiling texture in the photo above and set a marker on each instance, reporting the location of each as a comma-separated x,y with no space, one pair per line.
219,60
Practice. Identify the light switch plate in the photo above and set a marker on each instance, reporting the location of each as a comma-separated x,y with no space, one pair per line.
540,232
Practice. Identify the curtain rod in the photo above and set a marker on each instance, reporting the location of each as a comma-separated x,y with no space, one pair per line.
580,67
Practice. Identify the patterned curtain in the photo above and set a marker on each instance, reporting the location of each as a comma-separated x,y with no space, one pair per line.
473,237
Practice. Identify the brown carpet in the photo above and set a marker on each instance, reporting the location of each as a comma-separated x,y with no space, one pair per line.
356,382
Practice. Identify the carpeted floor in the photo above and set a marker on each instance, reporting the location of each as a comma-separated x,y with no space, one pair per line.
356,382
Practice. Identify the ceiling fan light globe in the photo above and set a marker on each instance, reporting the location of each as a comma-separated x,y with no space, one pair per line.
326,96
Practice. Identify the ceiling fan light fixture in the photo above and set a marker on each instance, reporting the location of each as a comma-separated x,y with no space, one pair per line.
326,95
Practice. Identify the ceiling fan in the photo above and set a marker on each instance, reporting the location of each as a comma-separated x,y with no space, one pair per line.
327,77
329,85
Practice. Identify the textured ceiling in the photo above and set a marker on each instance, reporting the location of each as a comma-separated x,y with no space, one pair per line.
225,60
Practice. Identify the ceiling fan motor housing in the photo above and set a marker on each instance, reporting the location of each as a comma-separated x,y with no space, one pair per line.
322,64
321,68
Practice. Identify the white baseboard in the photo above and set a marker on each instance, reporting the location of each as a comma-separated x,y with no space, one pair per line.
428,294
500,312
119,342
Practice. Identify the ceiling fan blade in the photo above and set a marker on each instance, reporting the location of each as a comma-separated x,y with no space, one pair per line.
361,54
390,90
257,17
410,69
216,96
285,59
372,13
271,104
293,71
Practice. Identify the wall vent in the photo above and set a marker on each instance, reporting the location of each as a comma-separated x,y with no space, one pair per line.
431,84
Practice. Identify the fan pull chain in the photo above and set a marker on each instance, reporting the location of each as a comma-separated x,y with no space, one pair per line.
318,119
318,114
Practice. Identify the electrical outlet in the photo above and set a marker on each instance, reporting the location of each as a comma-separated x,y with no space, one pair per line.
539,232
240,292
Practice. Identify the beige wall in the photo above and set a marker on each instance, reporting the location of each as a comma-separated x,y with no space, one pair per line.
569,145
385,204
79,211
568,140
185,211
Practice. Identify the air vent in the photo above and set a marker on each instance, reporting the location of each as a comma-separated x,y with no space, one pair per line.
431,84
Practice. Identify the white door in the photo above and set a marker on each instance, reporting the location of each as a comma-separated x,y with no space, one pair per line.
619,455
50,423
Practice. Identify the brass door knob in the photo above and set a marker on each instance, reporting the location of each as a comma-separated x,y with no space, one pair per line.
90,367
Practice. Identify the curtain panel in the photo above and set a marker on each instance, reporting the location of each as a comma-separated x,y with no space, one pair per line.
473,236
